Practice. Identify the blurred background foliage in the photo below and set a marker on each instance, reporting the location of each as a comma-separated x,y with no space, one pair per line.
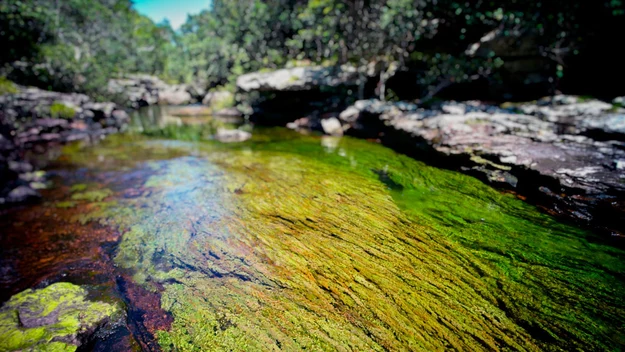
77,45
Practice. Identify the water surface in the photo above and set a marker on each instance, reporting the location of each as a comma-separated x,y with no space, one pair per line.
292,242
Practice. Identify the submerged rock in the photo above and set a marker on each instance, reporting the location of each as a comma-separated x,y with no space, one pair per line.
58,317
232,136
298,79
22,194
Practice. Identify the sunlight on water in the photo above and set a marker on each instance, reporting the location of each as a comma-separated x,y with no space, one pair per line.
290,242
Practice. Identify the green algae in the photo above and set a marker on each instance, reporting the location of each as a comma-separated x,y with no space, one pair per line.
51,319
92,196
65,204
291,242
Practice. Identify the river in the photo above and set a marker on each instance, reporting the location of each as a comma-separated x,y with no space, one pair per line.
291,241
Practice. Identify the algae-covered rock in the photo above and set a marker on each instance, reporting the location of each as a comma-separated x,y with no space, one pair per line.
56,318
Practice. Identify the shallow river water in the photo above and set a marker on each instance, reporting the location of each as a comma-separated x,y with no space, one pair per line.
290,242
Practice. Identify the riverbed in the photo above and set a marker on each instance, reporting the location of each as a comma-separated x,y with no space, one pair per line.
291,241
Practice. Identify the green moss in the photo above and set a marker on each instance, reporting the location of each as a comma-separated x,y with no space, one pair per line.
65,204
291,242
61,111
80,187
92,196
7,87
50,319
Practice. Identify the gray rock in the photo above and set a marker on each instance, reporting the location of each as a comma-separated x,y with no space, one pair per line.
174,95
120,116
508,147
22,194
20,166
101,109
298,79
332,126
228,112
232,136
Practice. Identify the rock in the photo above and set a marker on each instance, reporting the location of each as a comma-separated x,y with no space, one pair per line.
100,110
143,90
22,194
228,112
174,95
519,150
121,116
298,79
29,119
232,136
20,166
218,99
282,96
610,126
332,126
58,317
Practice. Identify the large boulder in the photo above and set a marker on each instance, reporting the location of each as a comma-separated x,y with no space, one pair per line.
298,79
282,96
59,317
538,155
144,90
174,95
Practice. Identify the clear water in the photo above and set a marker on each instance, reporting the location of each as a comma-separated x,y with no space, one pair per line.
290,242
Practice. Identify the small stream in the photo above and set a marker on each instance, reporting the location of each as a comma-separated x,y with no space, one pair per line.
291,241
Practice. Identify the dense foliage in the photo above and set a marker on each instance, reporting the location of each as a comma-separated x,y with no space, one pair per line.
77,44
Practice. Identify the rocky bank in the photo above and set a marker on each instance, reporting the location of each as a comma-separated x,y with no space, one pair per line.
564,153
33,120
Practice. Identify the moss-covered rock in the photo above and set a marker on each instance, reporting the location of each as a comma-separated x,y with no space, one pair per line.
62,110
56,318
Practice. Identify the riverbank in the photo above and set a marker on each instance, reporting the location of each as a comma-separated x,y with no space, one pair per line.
565,154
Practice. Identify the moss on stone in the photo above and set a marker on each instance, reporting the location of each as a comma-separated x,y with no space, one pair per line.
60,110
55,318
97,195
7,87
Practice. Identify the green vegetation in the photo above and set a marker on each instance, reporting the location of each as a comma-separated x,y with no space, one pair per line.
61,111
6,86
50,319
78,45
254,253
92,196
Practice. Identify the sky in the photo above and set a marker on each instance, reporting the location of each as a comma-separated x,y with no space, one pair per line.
175,11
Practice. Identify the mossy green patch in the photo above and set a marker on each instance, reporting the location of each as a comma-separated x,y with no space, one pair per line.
97,195
65,204
7,87
51,319
62,111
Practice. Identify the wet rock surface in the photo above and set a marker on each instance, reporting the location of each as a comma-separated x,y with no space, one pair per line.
564,153
58,317
33,120
144,90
